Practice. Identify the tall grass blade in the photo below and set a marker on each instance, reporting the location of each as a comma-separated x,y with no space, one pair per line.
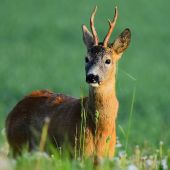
127,74
44,134
130,118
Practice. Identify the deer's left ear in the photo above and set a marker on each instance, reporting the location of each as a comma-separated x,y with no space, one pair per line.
87,37
122,42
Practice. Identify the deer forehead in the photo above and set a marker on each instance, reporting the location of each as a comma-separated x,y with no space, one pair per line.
100,51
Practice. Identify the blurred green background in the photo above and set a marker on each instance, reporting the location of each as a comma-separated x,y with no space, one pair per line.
41,48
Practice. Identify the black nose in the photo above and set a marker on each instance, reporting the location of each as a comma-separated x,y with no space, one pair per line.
91,78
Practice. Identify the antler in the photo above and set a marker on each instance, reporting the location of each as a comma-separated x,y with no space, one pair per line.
94,33
111,25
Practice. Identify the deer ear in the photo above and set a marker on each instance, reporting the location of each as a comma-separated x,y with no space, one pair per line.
122,42
87,37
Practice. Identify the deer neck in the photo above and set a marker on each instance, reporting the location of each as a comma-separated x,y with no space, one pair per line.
102,104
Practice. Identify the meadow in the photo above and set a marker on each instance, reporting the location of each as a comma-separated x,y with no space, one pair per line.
41,47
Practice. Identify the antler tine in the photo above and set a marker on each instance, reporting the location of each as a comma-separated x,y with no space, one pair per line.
96,40
111,25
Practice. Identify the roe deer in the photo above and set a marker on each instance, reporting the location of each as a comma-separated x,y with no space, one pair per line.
65,112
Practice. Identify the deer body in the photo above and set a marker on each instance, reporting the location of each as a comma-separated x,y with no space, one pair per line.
24,123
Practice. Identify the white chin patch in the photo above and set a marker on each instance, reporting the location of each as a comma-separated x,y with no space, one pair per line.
94,84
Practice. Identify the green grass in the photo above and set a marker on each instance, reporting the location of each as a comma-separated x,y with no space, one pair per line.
140,159
41,48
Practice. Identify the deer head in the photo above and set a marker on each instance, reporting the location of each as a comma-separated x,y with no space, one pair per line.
101,57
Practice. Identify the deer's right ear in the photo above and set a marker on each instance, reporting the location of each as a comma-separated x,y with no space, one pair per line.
87,37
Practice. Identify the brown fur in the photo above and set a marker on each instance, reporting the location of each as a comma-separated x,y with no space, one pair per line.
24,123
65,114
28,116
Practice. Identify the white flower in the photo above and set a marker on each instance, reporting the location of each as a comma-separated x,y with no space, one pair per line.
161,143
5,164
164,164
132,167
42,155
149,163
122,154
118,145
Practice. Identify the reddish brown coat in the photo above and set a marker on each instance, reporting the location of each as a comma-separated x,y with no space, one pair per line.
24,123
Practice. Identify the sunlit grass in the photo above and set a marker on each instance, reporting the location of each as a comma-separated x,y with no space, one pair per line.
139,159
41,47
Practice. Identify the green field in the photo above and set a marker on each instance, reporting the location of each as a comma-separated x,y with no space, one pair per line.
41,47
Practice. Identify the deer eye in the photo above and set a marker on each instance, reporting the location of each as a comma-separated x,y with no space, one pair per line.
86,59
108,61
